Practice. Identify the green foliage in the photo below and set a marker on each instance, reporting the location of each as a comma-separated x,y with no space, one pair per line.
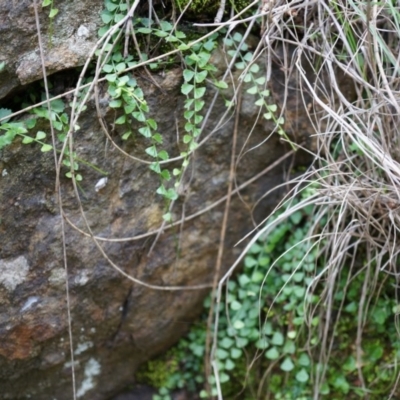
263,321
53,11
198,6
253,75
128,98
159,373
198,68
52,14
24,129
14,129
264,317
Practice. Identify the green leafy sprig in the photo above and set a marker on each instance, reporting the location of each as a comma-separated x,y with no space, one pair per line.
252,76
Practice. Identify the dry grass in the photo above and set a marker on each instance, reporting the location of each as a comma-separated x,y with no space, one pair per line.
357,126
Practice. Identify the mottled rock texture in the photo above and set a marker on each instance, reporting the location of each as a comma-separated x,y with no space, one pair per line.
67,39
116,324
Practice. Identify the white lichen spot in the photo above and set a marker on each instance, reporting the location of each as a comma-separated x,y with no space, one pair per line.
83,347
57,276
69,364
83,31
13,272
92,369
101,184
4,173
82,279
29,303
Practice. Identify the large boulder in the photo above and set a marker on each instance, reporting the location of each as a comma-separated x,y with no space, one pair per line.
117,323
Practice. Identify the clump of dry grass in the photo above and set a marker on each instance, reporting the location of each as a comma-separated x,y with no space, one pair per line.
355,53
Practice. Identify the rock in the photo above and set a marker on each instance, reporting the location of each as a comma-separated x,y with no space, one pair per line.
116,324
143,392
67,39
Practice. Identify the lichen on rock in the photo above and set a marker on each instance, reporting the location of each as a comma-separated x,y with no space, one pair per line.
13,272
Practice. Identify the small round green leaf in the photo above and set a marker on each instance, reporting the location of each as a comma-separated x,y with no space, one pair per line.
241,342
287,364
302,376
151,151
27,139
304,360
238,324
187,139
243,280
272,353
226,342
53,12
188,75
262,343
199,92
236,353
40,135
45,148
291,334
277,339
235,305
187,88
115,103
252,90
198,105
121,120
222,354
229,365
200,76
221,84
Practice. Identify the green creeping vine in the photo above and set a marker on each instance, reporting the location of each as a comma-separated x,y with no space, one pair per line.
249,300
53,11
52,14
128,97
268,345
60,120
197,70
252,75
11,130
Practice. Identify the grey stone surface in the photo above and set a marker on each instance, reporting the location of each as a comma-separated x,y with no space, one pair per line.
116,324
67,40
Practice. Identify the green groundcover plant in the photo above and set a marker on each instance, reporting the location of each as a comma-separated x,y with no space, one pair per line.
271,329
